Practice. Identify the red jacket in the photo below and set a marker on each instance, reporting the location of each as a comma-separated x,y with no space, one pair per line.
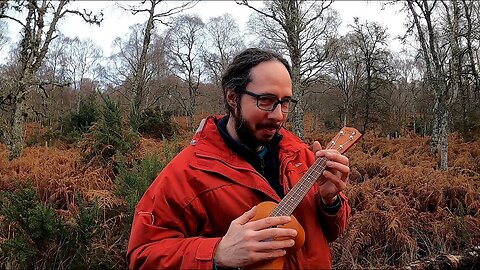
188,208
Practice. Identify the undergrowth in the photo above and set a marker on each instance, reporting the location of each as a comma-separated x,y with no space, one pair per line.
78,215
36,236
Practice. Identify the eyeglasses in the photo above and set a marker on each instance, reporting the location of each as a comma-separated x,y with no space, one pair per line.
269,102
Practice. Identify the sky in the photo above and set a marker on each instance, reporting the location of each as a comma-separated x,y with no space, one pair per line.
116,21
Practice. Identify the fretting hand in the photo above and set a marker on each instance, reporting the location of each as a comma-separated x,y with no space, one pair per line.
335,176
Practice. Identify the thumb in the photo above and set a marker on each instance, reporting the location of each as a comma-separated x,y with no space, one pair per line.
247,216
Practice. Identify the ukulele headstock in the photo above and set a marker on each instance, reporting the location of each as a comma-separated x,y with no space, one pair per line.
344,139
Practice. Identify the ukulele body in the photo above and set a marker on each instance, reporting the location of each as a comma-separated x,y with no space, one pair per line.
264,210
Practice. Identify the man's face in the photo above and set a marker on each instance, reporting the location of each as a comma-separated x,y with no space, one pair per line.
254,126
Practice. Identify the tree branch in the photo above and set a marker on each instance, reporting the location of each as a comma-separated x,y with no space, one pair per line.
87,16
3,16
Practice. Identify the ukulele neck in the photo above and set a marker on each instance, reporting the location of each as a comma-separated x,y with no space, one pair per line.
293,198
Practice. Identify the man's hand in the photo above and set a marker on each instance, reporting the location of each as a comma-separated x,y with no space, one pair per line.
334,178
248,242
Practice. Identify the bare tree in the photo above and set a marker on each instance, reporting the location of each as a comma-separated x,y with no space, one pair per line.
39,29
371,40
81,59
223,41
346,72
140,65
465,21
185,44
435,54
301,29
46,104
407,96
472,23
120,69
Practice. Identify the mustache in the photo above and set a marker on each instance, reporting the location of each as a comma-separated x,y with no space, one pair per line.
270,125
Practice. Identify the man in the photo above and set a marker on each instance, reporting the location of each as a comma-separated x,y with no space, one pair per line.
198,213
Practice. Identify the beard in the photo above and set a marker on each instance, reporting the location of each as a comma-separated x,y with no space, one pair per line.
246,133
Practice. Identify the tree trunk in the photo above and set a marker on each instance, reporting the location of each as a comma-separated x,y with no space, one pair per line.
444,141
14,133
298,114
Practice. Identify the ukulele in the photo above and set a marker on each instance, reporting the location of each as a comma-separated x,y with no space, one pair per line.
345,139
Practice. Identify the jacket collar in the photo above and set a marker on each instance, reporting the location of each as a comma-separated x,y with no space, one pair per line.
208,140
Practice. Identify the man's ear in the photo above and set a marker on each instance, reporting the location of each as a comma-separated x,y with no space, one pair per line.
232,99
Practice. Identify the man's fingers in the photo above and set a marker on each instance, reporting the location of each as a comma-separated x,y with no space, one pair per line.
269,222
269,255
247,216
276,233
339,182
336,156
268,246
316,146
339,167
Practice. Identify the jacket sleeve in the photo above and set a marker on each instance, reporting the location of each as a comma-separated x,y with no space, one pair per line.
164,232
334,225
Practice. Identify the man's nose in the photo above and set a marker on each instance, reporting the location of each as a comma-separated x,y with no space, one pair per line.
277,112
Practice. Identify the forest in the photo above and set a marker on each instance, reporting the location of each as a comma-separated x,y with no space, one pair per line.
83,134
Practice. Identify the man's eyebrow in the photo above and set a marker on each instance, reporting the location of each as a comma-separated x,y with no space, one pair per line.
272,95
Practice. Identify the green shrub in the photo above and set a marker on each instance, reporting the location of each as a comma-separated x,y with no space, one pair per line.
77,123
49,136
38,237
157,124
108,136
35,227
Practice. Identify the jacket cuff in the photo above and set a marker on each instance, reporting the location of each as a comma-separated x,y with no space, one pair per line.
205,251
334,208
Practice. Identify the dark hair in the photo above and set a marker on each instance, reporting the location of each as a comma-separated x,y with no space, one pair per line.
237,74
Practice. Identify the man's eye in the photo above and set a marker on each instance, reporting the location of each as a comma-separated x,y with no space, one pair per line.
267,100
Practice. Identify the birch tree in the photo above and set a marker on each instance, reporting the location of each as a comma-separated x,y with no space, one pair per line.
3,36
434,54
223,41
347,74
38,21
301,30
151,8
185,44
373,56
83,59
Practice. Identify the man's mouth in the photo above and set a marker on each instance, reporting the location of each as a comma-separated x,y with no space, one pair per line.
270,128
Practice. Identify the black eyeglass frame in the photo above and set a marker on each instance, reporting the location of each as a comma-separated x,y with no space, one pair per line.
291,106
